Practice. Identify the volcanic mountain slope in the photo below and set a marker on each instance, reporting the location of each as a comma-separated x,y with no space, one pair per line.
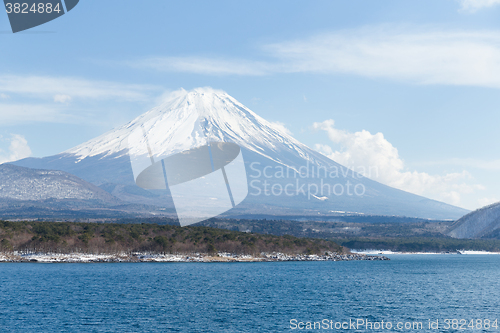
21,183
194,118
481,223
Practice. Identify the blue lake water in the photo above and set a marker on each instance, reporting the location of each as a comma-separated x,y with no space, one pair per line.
249,297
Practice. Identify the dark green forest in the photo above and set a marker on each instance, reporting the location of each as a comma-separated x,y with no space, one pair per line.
67,237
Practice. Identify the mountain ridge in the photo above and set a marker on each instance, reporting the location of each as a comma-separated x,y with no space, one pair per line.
189,119
481,223
22,183
217,125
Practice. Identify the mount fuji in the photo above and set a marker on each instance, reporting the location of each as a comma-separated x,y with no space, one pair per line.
284,176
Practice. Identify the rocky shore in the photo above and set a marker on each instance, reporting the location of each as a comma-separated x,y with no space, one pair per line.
196,257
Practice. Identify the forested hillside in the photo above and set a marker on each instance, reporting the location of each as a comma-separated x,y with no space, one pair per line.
66,237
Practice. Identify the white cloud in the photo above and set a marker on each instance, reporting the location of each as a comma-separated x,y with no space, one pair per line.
375,157
18,149
420,55
491,165
474,5
47,87
281,127
423,57
487,201
24,113
46,98
62,99
202,65
3,96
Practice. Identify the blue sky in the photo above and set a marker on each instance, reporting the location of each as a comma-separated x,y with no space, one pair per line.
409,87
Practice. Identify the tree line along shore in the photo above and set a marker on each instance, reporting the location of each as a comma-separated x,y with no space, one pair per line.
234,236
112,238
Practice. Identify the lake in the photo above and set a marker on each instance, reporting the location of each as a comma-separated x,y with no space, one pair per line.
254,297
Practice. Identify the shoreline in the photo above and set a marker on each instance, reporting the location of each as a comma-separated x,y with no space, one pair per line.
16,257
388,252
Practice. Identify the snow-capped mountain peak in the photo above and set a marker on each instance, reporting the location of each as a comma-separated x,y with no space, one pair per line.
188,119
